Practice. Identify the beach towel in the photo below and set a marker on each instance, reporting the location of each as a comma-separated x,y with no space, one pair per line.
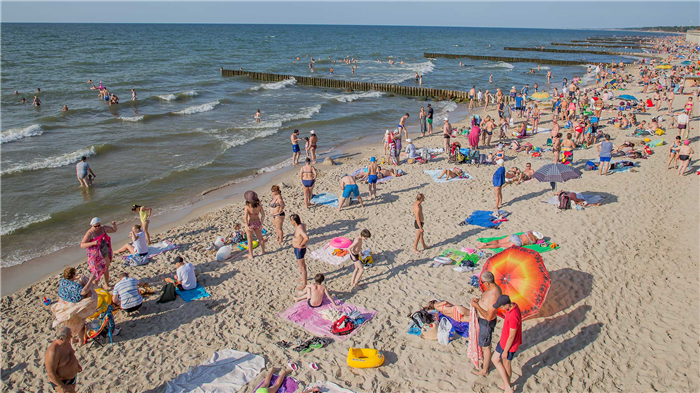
289,385
434,173
192,294
435,150
326,199
535,247
325,254
328,387
483,218
459,256
590,198
312,320
473,349
153,250
226,371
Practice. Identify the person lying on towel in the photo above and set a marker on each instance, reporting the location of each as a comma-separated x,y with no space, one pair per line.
525,239
185,276
457,313
453,173
575,199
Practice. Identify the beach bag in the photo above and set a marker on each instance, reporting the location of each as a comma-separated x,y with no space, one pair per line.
168,294
564,202
422,317
342,326
104,248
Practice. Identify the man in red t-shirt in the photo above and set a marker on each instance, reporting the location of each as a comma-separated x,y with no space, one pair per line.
511,338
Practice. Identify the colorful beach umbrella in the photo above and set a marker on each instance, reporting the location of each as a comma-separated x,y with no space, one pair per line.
611,83
541,96
628,97
522,276
687,62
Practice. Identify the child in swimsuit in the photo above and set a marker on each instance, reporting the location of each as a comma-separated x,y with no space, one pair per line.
313,293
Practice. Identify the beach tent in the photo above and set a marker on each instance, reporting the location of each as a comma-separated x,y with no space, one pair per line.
522,276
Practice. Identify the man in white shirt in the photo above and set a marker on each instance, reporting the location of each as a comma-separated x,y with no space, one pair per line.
185,275
683,125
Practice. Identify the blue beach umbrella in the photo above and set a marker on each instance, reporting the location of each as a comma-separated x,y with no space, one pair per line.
628,97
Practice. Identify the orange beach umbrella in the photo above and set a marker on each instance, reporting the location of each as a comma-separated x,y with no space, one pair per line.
521,274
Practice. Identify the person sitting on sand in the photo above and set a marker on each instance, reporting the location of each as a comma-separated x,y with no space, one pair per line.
313,293
525,239
77,301
527,174
185,276
126,293
452,173
138,243
266,388
513,175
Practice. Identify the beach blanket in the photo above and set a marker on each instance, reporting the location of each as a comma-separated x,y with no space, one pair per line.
590,198
459,256
226,371
153,250
289,385
473,349
483,218
192,294
434,173
325,254
312,320
535,247
326,199
328,387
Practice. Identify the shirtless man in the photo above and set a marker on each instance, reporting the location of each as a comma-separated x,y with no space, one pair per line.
313,293
299,241
402,126
487,317
313,140
350,189
418,223
372,171
447,134
490,125
355,249
296,152
62,366
685,154
527,173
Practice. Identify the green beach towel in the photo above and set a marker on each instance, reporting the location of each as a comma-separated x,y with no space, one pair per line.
459,256
535,247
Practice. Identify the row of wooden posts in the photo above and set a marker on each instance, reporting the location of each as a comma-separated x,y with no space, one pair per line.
592,52
598,45
505,59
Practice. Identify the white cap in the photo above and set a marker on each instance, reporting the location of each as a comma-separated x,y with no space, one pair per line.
387,132
94,221
312,132
408,140
445,119
500,162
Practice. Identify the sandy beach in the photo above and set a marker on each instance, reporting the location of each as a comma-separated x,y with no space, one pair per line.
620,315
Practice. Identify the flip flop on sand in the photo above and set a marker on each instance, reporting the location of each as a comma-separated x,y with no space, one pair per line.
313,366
293,366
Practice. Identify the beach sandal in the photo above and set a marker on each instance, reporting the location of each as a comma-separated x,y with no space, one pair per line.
313,366
293,366
283,344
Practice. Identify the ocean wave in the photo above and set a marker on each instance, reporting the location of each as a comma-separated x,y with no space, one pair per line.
21,256
16,134
198,108
445,108
22,222
132,118
423,68
275,85
275,167
501,64
175,96
50,162
354,96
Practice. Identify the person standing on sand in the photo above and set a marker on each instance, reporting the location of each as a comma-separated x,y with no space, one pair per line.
299,241
296,152
372,172
313,140
402,125
62,367
499,178
685,155
349,189
511,338
253,217
430,119
423,123
418,223
556,146
447,134
605,149
99,249
81,169
307,174
277,212
355,249
487,317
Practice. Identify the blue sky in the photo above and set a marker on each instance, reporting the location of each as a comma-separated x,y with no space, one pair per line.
552,14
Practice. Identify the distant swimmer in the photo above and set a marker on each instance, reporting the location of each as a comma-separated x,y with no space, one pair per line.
81,169
258,116
89,82
16,92
549,75
331,70
65,108
416,77
460,64
37,101
93,87
38,89
24,100
420,80
134,96
491,78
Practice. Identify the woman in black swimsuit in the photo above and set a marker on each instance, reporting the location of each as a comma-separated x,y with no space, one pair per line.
277,212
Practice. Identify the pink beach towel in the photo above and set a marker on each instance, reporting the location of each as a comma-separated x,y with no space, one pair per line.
474,350
310,318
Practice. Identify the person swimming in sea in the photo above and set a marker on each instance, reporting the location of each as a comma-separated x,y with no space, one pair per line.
65,108
37,101
258,116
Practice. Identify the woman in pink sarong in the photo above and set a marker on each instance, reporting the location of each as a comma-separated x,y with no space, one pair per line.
474,137
99,249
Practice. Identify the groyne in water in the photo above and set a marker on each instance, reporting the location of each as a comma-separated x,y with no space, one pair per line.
591,52
600,45
506,59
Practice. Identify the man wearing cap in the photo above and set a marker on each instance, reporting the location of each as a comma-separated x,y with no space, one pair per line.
511,338
372,171
296,152
185,276
430,119
486,317
313,139
410,149
447,134
499,178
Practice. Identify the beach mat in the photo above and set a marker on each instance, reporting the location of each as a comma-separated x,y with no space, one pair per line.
226,371
382,180
289,385
326,199
153,250
482,218
434,173
325,254
311,320
590,198
459,256
192,294
534,247
328,387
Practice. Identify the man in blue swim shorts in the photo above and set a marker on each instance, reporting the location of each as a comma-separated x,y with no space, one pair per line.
402,126
296,152
372,171
350,189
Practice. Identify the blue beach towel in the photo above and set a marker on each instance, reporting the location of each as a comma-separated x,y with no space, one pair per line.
483,218
193,294
325,199
434,173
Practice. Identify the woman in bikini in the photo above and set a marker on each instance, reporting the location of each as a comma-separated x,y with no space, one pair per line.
673,152
145,217
535,119
556,146
458,313
525,239
453,173
253,217
277,212
307,174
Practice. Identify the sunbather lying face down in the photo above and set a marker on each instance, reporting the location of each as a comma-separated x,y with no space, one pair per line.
525,239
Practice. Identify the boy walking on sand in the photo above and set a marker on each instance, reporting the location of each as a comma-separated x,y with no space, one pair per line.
372,171
418,222
299,241
355,249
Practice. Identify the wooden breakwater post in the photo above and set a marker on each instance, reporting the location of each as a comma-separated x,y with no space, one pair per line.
591,52
506,59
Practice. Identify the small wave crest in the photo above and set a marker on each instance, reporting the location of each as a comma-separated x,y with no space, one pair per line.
354,96
132,118
275,85
175,96
22,222
501,64
16,134
50,162
190,110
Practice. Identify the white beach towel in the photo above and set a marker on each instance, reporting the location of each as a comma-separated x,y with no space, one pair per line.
434,173
328,387
227,371
590,198
325,254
